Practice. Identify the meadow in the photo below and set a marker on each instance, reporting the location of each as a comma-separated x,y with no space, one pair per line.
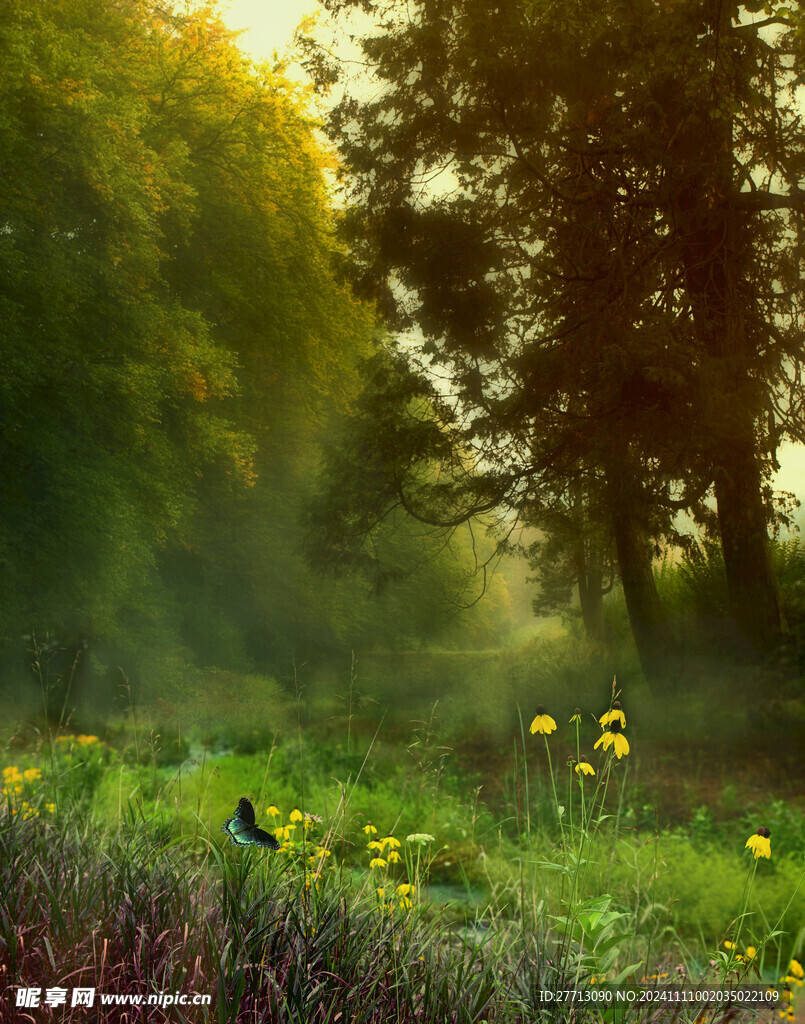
438,861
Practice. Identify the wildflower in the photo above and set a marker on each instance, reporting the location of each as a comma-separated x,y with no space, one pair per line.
322,853
376,844
795,968
405,903
786,1014
750,951
87,741
615,713
273,811
377,862
392,843
576,716
421,838
614,735
296,815
405,889
32,774
381,892
542,723
369,829
51,809
393,857
760,843
584,767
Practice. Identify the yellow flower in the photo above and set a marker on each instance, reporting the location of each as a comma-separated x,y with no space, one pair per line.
87,740
405,889
795,968
584,767
405,903
370,830
613,735
377,862
375,844
296,815
321,852
51,808
32,774
391,842
381,892
576,716
760,843
12,772
273,811
542,723
393,857
728,944
750,951
615,713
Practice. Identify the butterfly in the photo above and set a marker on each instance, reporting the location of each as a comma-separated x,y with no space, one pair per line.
242,830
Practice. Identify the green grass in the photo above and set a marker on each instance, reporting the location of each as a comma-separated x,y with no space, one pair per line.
511,895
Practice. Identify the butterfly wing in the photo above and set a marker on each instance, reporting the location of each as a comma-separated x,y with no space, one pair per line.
245,811
262,838
242,830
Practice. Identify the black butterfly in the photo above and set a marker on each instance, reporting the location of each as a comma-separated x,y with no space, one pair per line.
242,830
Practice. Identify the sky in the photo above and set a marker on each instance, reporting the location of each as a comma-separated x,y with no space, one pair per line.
269,25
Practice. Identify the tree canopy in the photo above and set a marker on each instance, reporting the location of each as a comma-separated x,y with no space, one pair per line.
177,341
593,222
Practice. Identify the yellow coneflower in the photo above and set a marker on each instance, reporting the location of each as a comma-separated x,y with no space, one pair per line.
760,843
393,857
405,889
296,815
614,735
369,829
584,767
542,723
392,843
575,717
273,811
405,903
795,968
615,713
377,862
376,844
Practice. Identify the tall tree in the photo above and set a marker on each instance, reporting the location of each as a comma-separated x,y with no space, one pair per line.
588,268
113,393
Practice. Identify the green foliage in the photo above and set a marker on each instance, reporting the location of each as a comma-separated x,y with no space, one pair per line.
177,342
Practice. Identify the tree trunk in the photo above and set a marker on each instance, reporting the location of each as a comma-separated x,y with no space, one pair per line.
715,252
752,587
591,595
652,634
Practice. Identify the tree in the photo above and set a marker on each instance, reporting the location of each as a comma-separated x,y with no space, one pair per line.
603,273
113,392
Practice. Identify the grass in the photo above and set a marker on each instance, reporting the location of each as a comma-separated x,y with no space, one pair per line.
495,879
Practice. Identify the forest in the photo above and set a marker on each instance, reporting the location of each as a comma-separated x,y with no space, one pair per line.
370,447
